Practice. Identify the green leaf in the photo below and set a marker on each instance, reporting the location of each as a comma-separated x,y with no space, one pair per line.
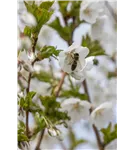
49,102
21,102
43,76
52,109
94,47
21,124
78,142
26,103
64,32
33,107
29,96
75,10
73,93
48,51
31,8
39,122
27,31
73,140
21,137
42,16
46,5
63,7
72,136
109,135
21,132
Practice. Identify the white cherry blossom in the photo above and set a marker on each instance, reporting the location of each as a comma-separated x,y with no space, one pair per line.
67,58
90,10
104,31
77,109
103,114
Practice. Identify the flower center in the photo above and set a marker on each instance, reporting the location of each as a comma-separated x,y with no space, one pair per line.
70,58
99,112
76,105
87,11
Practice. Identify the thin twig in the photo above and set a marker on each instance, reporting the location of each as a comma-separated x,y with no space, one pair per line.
56,94
27,112
27,123
114,15
60,84
34,44
86,90
27,91
40,140
99,142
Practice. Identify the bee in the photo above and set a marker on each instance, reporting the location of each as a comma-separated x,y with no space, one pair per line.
75,59
72,59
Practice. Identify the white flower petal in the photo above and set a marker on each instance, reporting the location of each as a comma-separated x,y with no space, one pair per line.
103,114
92,19
70,101
83,52
73,47
29,19
90,10
86,104
78,75
77,109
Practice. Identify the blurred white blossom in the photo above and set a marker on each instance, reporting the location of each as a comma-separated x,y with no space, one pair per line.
104,31
28,19
43,90
77,109
24,43
112,145
103,114
90,10
31,56
45,36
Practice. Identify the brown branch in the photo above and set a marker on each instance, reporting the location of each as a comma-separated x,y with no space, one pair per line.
34,42
27,123
28,88
27,112
56,94
99,142
114,15
40,140
60,84
86,91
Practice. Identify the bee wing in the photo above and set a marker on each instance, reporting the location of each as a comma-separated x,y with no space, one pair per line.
68,60
80,66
